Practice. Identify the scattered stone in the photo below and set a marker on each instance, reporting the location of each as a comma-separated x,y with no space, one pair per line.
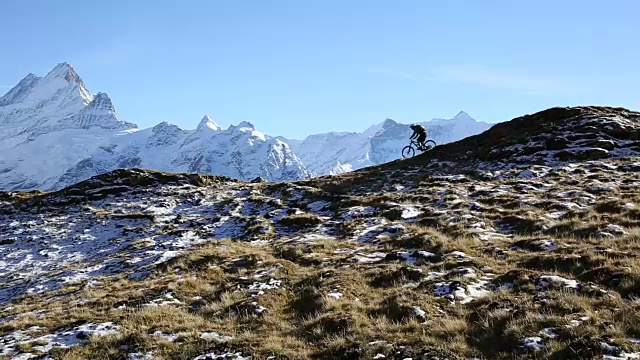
615,229
533,343
419,312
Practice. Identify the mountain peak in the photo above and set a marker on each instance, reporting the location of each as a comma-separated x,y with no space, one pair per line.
462,116
102,102
64,71
243,125
20,91
388,123
207,123
62,83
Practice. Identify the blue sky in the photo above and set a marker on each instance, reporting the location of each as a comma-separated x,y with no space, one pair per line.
306,66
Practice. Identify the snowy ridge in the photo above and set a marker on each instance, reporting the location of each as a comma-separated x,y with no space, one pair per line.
239,152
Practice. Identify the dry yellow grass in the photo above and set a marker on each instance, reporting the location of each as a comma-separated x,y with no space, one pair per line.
337,298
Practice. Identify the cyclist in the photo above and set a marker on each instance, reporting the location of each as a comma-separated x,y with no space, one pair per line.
420,134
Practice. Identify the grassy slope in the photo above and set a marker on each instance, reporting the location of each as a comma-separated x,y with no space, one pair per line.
512,231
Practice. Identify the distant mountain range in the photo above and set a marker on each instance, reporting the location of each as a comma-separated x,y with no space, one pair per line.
338,152
54,132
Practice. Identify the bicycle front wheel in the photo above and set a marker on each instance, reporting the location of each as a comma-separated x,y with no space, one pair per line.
429,144
408,151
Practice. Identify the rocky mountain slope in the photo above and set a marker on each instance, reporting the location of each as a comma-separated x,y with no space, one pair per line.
339,152
54,133
521,242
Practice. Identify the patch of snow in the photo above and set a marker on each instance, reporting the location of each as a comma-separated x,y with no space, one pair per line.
170,337
377,342
547,281
409,213
572,206
369,258
434,275
164,300
458,254
411,257
622,356
139,356
419,312
64,338
533,343
555,215
475,291
222,356
455,290
549,333
576,323
358,212
609,348
547,245
214,336
259,309
604,234
270,285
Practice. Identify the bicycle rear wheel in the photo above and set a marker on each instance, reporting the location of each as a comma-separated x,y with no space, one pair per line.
408,151
429,144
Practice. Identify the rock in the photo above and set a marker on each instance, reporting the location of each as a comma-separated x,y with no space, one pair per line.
259,179
565,155
620,131
583,136
603,144
615,229
498,154
587,154
556,143
499,253
603,234
518,225
631,167
8,241
530,150
596,153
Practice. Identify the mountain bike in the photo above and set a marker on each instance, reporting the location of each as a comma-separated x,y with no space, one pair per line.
410,150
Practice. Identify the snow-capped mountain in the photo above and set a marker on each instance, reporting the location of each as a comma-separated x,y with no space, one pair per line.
54,132
58,101
338,152
240,152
